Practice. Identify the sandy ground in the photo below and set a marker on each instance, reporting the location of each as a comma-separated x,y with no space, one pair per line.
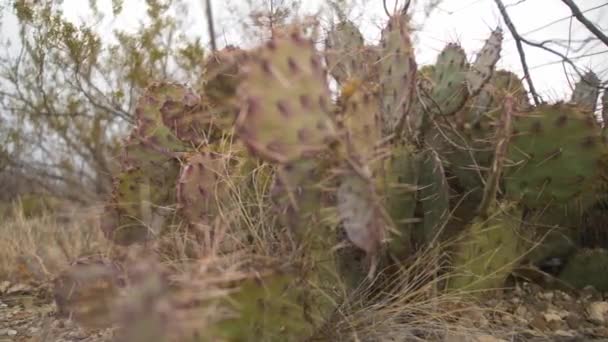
528,312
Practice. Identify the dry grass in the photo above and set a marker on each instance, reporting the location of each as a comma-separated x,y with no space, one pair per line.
38,248
244,237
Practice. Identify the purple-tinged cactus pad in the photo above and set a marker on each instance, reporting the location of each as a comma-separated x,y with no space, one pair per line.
285,101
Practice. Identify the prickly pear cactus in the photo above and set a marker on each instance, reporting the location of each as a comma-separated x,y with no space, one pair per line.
163,101
359,212
434,195
360,118
141,202
199,187
448,81
343,51
483,67
397,73
587,267
277,307
400,190
285,102
222,76
87,292
586,92
488,250
546,170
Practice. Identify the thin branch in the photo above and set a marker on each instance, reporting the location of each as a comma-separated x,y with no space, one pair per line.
503,135
576,12
520,49
209,13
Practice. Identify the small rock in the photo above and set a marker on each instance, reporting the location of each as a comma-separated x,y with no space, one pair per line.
590,293
4,286
573,320
539,323
565,333
487,338
19,289
546,295
563,296
8,332
552,316
598,312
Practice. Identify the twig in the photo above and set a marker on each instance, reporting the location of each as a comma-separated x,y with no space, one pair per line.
504,133
576,12
520,49
209,13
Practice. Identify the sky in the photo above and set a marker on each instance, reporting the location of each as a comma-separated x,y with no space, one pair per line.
467,22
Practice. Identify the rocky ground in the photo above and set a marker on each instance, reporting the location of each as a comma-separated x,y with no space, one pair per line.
529,312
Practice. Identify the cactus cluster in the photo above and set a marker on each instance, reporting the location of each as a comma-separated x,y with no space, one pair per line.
406,157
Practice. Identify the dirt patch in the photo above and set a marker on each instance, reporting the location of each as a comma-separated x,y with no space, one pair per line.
528,313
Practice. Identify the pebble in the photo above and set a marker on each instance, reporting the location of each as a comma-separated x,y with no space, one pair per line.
598,312
8,332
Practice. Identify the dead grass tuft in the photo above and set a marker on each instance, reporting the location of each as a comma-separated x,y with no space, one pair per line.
36,249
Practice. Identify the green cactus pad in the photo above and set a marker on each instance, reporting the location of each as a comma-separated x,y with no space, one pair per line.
296,193
360,118
343,51
222,76
198,187
140,204
434,195
196,125
483,67
162,99
587,267
397,71
469,147
400,191
586,92
285,101
554,155
449,88
488,250
489,101
272,308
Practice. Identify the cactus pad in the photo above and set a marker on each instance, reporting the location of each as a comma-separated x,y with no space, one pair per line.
434,195
586,92
140,204
343,48
360,118
162,100
86,292
199,186
400,190
587,267
359,213
285,103
483,67
449,88
397,70
554,154
488,250
222,76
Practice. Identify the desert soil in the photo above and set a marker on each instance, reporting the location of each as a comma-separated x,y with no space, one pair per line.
528,313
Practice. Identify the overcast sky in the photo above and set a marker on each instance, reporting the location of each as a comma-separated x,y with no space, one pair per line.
465,21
